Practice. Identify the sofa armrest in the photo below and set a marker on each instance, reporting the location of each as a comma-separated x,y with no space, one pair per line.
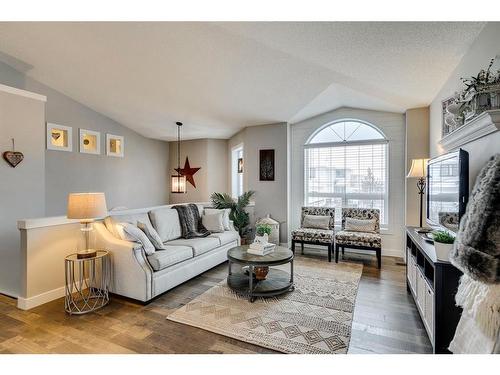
131,274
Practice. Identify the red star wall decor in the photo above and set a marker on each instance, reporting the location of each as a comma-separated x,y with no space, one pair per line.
188,172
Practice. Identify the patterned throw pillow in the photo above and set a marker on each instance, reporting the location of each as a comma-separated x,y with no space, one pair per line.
316,221
152,235
359,225
213,222
130,232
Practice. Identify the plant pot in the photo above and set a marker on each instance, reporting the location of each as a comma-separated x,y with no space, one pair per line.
443,250
262,239
261,272
243,240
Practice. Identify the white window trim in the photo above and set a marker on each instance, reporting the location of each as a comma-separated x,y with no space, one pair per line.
234,168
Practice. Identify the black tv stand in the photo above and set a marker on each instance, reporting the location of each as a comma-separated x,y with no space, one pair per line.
433,285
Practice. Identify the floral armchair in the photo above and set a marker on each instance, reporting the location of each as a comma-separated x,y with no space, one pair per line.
315,236
360,237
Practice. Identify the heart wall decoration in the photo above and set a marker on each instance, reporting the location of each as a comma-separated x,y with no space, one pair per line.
13,157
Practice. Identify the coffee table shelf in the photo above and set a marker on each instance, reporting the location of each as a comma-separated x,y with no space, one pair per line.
245,281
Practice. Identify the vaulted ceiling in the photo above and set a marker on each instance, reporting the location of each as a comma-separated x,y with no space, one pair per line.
220,77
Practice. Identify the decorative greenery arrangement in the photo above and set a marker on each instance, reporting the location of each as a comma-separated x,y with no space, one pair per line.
443,237
481,93
263,229
238,214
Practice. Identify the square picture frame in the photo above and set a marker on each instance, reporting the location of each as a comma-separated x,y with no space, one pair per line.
90,142
115,145
59,137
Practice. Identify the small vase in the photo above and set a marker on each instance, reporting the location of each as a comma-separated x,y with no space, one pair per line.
262,239
261,272
443,250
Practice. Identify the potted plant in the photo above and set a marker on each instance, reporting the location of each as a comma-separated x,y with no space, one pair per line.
262,233
238,214
443,243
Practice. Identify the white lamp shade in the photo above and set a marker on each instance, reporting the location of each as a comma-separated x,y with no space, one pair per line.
178,184
86,206
418,168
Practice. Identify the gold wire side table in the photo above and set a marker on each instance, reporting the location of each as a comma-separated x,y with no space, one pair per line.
87,282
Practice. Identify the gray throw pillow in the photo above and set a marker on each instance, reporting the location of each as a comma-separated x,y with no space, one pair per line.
152,235
316,222
225,215
359,225
130,232
214,222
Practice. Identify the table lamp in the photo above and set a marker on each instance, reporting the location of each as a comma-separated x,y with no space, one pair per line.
419,170
86,207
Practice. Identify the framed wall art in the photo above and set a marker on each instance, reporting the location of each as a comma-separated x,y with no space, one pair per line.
114,145
59,137
90,142
266,165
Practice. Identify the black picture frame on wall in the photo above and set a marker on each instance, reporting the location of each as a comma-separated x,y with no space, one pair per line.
266,165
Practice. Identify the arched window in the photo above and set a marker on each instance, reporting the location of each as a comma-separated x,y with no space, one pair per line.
346,166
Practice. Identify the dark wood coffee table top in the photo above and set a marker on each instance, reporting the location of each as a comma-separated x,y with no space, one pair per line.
280,255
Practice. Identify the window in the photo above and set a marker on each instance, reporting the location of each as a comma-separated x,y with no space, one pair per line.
346,166
237,170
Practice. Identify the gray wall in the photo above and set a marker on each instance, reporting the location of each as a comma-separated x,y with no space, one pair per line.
270,196
484,48
139,179
22,189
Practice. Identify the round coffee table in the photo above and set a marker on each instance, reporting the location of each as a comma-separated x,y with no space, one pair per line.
257,278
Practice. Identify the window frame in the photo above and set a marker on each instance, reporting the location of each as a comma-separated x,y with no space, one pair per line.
387,206
235,176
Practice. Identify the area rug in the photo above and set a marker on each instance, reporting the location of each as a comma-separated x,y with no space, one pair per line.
316,318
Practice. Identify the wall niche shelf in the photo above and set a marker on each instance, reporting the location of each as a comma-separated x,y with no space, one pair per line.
486,123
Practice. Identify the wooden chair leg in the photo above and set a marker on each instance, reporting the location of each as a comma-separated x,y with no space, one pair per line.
336,253
379,258
302,247
343,252
329,252
293,247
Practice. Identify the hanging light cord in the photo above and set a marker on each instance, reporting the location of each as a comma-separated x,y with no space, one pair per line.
179,124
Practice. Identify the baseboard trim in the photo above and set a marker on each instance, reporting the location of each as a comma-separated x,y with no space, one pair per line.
40,299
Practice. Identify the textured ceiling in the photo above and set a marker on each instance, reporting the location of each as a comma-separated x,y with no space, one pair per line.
220,77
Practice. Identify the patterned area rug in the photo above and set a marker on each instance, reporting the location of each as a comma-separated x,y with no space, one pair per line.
315,318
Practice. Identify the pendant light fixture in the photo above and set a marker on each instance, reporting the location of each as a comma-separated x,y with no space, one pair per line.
178,184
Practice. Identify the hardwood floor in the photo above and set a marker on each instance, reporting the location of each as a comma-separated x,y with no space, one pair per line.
385,320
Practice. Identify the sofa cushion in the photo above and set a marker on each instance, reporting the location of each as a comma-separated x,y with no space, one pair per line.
166,222
226,237
199,245
171,255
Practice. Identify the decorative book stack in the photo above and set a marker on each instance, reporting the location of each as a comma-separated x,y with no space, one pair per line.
261,249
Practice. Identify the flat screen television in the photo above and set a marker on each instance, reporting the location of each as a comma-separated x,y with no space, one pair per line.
447,189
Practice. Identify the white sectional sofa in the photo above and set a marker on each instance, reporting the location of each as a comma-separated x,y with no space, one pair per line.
143,277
